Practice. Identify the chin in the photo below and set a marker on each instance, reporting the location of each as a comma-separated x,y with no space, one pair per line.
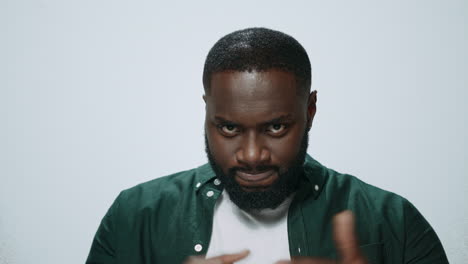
252,189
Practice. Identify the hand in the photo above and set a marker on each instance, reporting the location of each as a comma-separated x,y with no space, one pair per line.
346,243
223,259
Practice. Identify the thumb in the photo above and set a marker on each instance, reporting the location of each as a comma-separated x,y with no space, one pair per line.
230,258
345,237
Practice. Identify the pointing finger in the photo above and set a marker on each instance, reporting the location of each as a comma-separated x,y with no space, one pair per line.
307,260
345,237
230,258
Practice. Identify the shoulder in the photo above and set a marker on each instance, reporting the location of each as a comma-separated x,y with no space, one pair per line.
358,188
373,207
344,191
384,216
158,192
348,187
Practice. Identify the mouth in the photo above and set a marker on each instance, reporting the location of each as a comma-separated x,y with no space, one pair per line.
256,180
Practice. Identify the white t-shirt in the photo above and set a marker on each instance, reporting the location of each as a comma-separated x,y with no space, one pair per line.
263,232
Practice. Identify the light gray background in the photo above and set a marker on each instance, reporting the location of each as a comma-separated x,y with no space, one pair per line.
97,96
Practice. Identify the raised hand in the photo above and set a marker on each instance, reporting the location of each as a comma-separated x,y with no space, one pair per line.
223,259
346,243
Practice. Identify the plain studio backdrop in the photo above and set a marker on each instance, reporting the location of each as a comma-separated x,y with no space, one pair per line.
98,96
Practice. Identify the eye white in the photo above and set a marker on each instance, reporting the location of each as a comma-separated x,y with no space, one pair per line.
229,129
274,128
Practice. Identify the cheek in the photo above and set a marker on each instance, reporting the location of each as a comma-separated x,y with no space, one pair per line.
223,149
285,150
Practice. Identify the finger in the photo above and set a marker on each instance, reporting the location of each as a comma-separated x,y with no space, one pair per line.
201,260
230,258
307,260
345,236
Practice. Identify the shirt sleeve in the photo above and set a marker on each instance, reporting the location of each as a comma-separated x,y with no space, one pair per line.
422,246
104,246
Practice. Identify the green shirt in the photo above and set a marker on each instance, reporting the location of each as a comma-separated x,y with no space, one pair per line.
170,218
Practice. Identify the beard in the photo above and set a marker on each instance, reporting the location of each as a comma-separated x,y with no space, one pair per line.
282,188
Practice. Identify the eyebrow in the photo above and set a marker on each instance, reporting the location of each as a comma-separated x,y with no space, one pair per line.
280,119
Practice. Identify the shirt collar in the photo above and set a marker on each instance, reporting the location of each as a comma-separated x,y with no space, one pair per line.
204,174
315,174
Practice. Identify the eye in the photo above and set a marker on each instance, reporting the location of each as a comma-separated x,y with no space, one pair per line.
276,129
228,130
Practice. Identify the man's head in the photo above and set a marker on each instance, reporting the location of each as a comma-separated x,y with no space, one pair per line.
258,49
258,114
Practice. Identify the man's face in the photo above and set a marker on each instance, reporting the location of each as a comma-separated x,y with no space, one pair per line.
256,133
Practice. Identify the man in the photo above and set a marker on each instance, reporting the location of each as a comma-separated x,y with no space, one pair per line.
260,191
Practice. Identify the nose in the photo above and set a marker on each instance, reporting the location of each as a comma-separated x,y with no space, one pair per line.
252,152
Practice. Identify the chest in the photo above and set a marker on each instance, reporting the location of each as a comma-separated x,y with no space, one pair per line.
264,234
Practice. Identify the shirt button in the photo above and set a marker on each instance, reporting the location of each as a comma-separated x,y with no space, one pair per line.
217,182
198,185
198,247
210,193
316,187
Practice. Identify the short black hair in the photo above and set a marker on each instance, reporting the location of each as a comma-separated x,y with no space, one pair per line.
258,49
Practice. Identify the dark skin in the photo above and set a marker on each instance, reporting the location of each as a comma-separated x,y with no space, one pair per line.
255,120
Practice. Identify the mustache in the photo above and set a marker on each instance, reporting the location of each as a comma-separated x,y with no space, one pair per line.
253,170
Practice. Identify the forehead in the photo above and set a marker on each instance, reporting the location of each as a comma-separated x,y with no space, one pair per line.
255,94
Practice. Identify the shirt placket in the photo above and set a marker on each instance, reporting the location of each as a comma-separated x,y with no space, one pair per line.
207,195
296,229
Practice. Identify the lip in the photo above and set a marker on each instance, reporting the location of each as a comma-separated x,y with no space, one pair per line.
256,179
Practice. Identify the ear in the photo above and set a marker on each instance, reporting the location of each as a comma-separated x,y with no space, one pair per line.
311,108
